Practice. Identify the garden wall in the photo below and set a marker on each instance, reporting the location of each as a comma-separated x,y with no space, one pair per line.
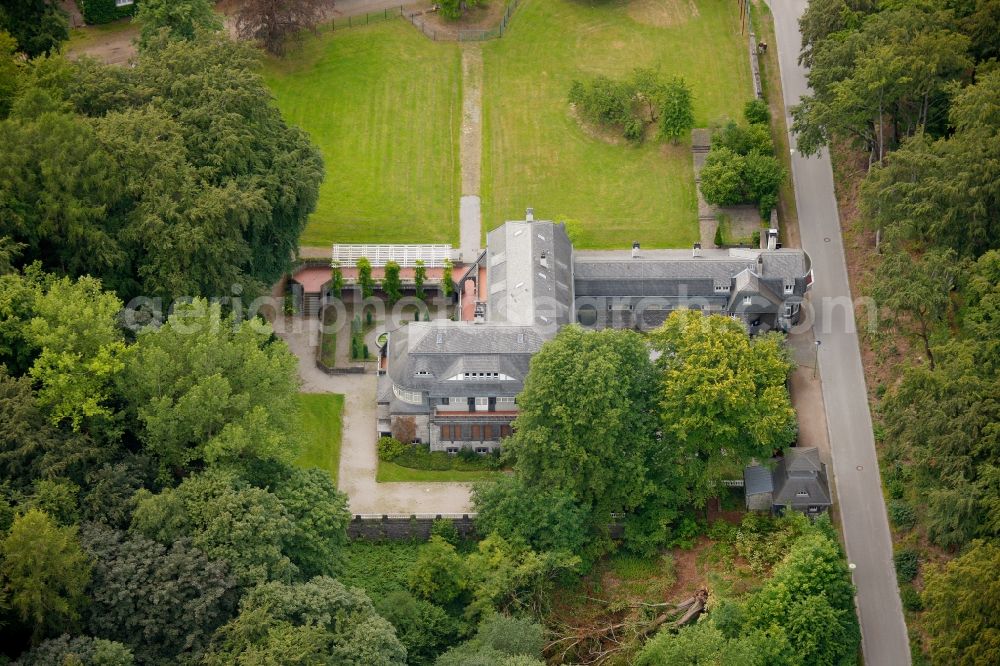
399,527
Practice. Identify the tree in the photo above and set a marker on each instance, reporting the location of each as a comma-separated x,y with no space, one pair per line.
424,629
183,179
677,112
39,26
226,519
744,140
77,651
319,516
205,387
75,327
336,279
391,284
271,22
919,289
499,639
452,9
319,621
10,70
365,277
404,429
864,86
756,112
821,19
585,425
944,192
46,573
963,607
557,524
438,575
419,276
762,177
723,399
722,177
181,19
164,602
26,436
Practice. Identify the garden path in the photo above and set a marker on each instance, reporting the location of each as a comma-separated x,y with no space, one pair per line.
471,151
358,458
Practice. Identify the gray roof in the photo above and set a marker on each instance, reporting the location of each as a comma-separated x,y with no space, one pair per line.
757,479
529,274
800,479
441,350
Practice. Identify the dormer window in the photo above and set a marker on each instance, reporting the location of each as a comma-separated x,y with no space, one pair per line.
802,493
789,287
747,300
421,373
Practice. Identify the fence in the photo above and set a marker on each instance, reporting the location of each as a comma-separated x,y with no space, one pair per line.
365,19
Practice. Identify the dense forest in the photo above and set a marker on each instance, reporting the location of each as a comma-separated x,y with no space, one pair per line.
916,87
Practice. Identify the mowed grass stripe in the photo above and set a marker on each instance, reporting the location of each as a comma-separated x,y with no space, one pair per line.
535,153
383,103
320,426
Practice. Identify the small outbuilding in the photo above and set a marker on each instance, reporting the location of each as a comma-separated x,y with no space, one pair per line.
797,481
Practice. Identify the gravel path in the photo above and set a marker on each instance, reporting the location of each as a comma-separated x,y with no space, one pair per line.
471,151
358,459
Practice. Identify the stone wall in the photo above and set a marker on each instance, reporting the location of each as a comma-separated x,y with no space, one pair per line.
396,527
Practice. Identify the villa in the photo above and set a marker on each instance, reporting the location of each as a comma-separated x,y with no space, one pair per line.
459,380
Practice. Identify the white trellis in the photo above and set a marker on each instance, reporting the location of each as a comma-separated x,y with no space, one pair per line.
433,256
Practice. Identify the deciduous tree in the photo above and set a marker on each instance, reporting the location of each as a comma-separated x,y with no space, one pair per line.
365,277
270,23
181,19
723,399
45,573
391,283
677,111
39,26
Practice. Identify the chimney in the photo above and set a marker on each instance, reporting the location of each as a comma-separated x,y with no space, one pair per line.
696,250
529,215
772,239
635,250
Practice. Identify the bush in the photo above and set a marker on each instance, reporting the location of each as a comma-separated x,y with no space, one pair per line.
445,528
907,562
902,514
419,456
602,100
719,242
744,140
755,239
910,598
389,449
103,11
756,111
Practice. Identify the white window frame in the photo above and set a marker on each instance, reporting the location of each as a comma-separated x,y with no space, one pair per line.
482,404
123,3
506,400
410,397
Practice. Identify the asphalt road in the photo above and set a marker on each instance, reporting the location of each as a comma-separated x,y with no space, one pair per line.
855,466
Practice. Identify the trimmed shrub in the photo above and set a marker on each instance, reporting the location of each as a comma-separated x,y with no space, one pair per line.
103,11
444,528
902,514
390,448
907,562
718,236
755,239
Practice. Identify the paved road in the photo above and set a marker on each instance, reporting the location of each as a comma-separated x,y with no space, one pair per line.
859,492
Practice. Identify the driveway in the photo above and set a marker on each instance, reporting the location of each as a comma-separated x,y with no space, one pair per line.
358,458
855,464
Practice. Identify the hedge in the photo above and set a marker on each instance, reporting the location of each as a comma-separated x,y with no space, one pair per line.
103,11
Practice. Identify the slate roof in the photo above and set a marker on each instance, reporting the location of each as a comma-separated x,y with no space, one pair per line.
529,272
445,349
757,479
801,471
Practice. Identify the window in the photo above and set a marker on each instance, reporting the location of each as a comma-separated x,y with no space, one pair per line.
789,287
477,431
482,449
747,300
488,432
452,449
788,310
482,404
802,493
123,3
506,400
458,401
421,373
446,432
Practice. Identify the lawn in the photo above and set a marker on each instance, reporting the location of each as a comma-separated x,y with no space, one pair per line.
320,414
389,472
536,154
383,103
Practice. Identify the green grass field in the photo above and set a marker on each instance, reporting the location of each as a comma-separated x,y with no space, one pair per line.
320,414
536,154
383,103
390,472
